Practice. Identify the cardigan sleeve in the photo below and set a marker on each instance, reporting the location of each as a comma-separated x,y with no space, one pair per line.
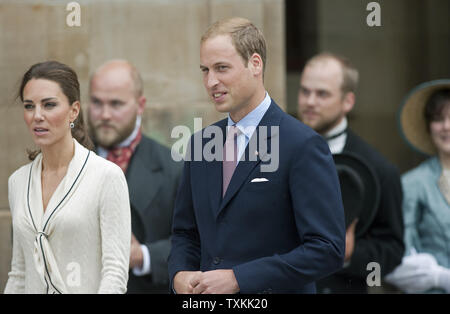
16,280
115,227
411,212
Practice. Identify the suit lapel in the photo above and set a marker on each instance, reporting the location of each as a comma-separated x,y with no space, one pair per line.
241,173
349,143
143,176
245,167
215,175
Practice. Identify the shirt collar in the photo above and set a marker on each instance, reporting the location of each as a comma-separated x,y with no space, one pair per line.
248,124
337,144
337,129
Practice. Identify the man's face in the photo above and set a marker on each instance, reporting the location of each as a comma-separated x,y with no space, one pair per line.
321,103
230,84
113,107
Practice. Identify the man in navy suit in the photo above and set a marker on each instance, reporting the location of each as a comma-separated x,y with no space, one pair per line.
270,218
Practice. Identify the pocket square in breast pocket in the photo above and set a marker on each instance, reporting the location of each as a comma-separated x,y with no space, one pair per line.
259,180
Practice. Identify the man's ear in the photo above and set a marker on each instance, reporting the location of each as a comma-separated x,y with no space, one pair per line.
141,104
256,64
349,102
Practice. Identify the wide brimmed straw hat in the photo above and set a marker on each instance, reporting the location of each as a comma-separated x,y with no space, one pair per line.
412,116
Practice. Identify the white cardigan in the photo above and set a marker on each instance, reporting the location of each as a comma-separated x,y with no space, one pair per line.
81,244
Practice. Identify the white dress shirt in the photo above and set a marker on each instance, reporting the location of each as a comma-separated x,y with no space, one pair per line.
337,144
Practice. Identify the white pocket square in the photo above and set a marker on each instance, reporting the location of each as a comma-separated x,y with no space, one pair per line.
259,180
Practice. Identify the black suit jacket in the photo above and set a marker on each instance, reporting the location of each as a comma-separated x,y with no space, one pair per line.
152,178
383,242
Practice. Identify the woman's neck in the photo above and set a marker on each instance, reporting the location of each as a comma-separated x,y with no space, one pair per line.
58,155
445,160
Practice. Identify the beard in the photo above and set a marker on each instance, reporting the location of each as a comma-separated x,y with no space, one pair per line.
108,135
323,126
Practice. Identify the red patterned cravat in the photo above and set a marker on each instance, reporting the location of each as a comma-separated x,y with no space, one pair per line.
121,155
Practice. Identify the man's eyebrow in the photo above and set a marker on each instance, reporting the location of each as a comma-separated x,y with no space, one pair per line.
116,101
214,65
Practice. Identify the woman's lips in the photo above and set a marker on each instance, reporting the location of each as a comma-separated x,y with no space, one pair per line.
40,131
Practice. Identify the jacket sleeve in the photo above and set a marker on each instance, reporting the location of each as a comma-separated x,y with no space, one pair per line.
160,250
115,226
412,209
16,280
185,251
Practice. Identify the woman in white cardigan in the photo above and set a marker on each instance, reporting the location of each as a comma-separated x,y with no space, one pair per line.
70,208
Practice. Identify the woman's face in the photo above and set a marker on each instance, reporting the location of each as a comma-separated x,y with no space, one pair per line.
47,112
440,130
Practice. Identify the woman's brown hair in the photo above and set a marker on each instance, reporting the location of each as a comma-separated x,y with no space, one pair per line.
435,105
67,80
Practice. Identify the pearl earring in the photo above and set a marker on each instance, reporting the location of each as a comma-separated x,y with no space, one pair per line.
72,125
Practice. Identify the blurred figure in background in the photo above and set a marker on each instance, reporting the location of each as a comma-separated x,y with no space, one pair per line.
115,114
327,94
425,124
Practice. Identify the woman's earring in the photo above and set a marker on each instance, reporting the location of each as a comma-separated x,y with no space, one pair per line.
72,125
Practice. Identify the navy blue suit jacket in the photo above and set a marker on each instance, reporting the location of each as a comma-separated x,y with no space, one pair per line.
278,236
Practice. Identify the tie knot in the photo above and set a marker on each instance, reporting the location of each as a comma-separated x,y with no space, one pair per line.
233,131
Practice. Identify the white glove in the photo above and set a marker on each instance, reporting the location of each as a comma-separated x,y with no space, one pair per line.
444,279
419,273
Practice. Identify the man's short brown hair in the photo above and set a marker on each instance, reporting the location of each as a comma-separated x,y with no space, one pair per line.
246,37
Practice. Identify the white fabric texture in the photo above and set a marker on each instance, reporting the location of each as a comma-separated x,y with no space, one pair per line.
444,184
146,263
81,244
418,273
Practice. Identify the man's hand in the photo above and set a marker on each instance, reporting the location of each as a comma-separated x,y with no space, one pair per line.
136,256
350,240
181,282
221,281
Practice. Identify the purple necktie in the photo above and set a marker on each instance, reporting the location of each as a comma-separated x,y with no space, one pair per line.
230,157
